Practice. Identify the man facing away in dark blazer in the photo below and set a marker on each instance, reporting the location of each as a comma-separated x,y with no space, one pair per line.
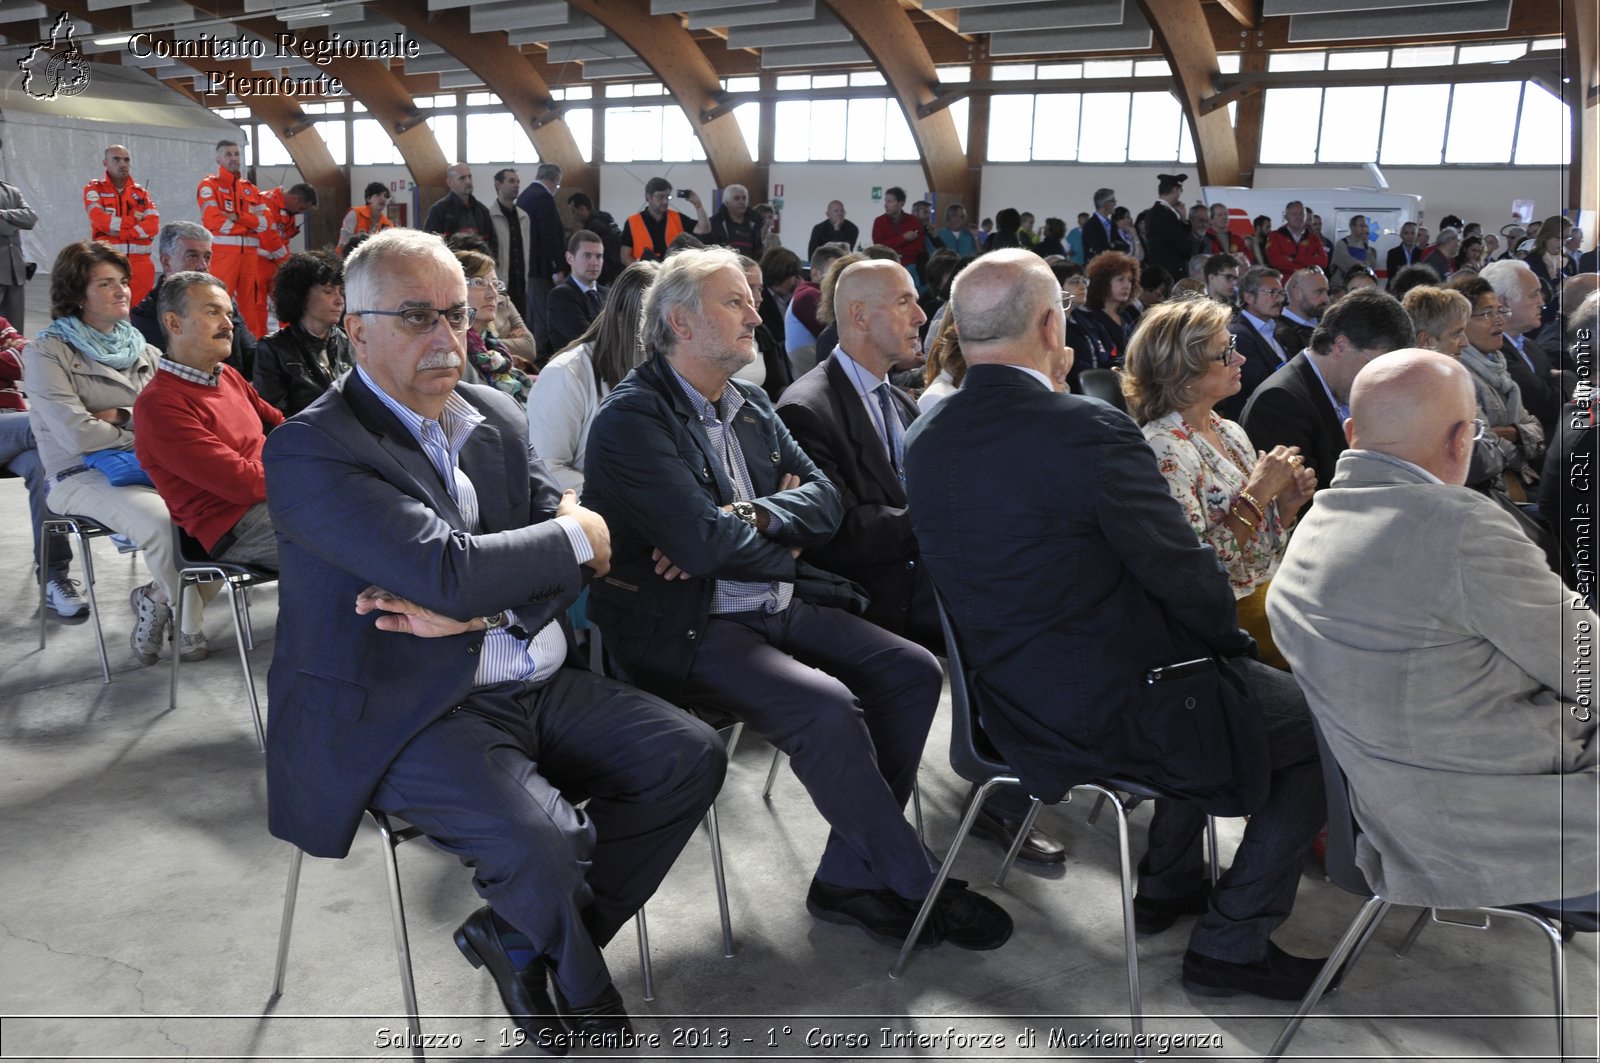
1305,403
1069,573
851,421
713,509
427,560
576,301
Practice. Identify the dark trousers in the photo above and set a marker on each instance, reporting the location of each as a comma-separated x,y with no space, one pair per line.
1257,893
537,316
12,305
496,781
851,704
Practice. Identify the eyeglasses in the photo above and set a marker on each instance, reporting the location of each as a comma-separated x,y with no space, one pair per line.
421,320
1481,430
485,282
1492,312
1227,355
1066,302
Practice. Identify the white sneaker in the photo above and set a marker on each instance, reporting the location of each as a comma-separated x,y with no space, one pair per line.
62,594
192,647
150,624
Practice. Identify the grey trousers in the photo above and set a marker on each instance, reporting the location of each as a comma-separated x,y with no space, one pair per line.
253,541
1257,893
497,781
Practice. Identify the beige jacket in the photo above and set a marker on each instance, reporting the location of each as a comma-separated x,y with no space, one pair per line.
1434,646
63,388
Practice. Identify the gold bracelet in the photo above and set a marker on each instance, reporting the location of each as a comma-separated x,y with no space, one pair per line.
1250,501
1242,519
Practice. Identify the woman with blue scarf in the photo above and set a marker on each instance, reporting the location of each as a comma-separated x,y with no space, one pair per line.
83,373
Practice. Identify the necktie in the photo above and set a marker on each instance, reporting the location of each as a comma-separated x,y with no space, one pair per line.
891,428
592,296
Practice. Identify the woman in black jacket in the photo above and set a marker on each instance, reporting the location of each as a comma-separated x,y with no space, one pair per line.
298,362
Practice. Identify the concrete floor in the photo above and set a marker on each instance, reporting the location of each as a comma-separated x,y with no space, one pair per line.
140,896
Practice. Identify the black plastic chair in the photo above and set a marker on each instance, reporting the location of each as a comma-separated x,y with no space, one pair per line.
1343,872
196,566
82,529
1103,384
974,758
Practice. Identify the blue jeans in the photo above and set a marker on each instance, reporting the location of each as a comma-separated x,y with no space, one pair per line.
18,455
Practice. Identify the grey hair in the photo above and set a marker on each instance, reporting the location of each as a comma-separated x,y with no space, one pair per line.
174,296
729,190
1503,274
1446,234
547,171
1009,313
173,231
365,269
679,284
1250,283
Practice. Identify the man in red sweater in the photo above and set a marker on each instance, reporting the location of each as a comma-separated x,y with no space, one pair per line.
1293,246
202,427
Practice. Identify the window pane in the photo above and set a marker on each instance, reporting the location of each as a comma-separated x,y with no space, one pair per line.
1228,64
1154,130
1357,60
1055,125
748,115
581,122
491,137
1352,118
827,129
619,91
1103,130
1152,68
1492,53
373,146
270,151
867,77
1186,143
1061,70
1297,60
1414,131
744,84
1545,44
864,135
1433,55
1544,137
954,73
898,143
791,133
1010,128
1289,126
333,133
1013,72
1481,120
794,81
829,81
480,98
578,92
678,138
960,114
1108,68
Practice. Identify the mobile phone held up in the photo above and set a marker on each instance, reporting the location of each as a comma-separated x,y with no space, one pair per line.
685,193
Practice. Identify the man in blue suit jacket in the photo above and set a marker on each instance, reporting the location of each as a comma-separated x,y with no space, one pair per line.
406,494
712,505
1068,587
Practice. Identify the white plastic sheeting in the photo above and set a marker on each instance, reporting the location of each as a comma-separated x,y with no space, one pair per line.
52,148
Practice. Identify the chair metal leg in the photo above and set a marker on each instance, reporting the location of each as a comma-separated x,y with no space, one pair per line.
86,559
1558,969
1129,933
1366,919
1355,954
645,975
240,624
177,642
926,910
916,809
731,742
290,893
402,944
721,879
43,573
244,611
1017,842
1415,932
772,775
1211,849
1094,813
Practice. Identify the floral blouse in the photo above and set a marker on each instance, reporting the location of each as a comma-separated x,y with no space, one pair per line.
1205,483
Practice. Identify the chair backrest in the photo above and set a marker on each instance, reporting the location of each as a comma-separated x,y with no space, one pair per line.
1103,384
190,552
970,752
1340,862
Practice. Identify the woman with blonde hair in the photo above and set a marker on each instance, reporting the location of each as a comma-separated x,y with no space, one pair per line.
1180,364
946,367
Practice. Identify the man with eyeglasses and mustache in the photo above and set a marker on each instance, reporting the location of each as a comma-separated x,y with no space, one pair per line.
424,665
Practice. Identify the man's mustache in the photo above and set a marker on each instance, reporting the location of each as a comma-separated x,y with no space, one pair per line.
440,360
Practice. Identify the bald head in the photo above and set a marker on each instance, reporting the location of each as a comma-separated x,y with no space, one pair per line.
1007,306
875,308
1418,406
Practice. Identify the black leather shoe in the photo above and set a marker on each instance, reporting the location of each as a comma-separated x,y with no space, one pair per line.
602,1025
1279,976
1038,848
1152,915
522,991
970,920
883,914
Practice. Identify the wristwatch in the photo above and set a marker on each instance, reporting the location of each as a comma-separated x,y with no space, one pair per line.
746,511
492,623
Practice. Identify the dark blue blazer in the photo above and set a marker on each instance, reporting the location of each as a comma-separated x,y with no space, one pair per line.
355,503
650,470
568,312
1066,565
1291,409
1096,239
546,238
1260,362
